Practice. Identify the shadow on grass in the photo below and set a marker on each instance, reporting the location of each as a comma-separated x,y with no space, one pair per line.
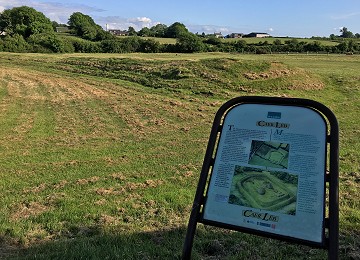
209,243
146,245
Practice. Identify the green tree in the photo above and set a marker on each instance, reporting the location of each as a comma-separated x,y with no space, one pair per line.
277,42
111,46
240,45
175,30
81,45
145,32
104,35
213,40
24,21
294,45
123,45
84,26
150,45
352,46
14,43
345,33
44,42
314,47
131,31
131,44
342,47
158,30
189,42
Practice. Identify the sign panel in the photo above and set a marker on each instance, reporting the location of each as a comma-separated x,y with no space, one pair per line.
269,171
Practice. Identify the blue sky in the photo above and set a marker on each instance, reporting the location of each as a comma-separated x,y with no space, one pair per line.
293,18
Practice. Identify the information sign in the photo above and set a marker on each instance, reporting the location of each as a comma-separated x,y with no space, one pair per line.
269,171
270,165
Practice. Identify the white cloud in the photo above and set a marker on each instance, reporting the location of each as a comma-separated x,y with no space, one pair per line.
54,11
117,22
144,20
271,29
225,30
60,12
345,16
208,29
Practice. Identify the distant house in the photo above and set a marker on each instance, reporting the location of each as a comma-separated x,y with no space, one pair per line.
118,32
235,35
62,29
218,35
257,35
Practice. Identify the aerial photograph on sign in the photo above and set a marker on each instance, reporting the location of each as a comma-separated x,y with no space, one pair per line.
269,154
268,190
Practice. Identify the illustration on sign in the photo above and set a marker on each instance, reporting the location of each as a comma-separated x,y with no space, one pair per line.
267,190
269,154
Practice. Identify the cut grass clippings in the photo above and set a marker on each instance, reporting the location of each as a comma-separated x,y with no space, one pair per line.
100,155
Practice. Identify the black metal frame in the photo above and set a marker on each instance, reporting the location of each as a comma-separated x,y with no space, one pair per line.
331,223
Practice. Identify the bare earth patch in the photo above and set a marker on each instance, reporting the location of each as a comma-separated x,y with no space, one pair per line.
88,180
24,211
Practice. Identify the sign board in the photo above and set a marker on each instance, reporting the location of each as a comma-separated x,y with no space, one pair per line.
265,172
269,171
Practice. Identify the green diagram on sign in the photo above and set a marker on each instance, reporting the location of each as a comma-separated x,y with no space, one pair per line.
269,154
269,190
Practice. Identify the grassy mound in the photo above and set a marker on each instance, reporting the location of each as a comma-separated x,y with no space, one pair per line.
214,76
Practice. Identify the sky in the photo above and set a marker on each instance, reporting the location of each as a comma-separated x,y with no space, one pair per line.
292,18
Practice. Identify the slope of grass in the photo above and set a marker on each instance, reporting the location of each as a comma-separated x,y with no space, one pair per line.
100,155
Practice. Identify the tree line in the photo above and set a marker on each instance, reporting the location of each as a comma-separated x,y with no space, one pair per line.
23,29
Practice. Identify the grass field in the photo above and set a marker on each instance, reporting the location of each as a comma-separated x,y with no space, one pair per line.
100,153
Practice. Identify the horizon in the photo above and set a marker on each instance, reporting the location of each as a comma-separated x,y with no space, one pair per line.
277,19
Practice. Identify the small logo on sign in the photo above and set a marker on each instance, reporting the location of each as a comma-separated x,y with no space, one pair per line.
275,115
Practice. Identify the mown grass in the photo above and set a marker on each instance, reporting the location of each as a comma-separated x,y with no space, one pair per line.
100,154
